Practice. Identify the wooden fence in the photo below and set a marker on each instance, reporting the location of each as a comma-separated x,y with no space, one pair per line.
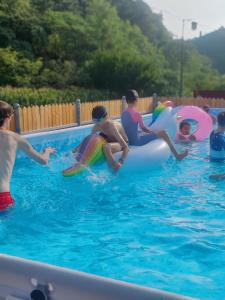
36,118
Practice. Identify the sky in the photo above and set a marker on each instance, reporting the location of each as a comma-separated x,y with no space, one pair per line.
209,14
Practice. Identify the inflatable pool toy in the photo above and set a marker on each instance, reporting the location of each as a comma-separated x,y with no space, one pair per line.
140,158
205,124
143,158
167,120
160,108
90,152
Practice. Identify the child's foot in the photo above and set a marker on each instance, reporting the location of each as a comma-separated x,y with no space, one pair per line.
182,155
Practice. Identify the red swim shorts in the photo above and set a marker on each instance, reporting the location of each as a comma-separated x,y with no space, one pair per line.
6,200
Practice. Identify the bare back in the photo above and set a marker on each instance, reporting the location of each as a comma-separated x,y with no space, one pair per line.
8,147
9,143
106,129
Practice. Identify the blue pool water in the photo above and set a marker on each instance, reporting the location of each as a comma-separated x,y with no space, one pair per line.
162,229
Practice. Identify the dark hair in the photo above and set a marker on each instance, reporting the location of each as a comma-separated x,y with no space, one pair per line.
184,123
206,107
131,96
6,111
99,112
221,119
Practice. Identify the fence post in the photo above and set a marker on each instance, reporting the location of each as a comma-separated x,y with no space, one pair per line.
16,107
123,103
155,101
77,111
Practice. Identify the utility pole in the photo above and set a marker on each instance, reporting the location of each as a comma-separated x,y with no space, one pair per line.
193,27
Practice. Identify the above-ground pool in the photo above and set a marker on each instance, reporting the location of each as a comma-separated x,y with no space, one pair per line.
162,228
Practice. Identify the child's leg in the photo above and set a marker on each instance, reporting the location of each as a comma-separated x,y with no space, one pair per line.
108,150
163,135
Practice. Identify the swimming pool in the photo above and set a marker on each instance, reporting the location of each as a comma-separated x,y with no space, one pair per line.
162,228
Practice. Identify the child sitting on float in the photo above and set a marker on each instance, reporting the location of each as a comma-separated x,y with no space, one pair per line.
131,118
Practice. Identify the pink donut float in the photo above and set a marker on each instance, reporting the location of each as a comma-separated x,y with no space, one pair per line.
205,124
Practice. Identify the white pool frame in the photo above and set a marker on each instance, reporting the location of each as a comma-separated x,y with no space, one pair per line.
19,277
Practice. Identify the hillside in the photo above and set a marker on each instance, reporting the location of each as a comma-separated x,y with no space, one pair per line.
213,46
107,45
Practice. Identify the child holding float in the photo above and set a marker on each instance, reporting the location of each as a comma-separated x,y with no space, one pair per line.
184,133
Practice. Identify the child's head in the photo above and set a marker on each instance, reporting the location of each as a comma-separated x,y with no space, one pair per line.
99,113
185,128
132,96
221,119
206,108
6,111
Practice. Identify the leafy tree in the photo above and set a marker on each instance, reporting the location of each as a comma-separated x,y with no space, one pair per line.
16,69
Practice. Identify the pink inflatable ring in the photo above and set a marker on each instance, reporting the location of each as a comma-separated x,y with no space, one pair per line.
205,124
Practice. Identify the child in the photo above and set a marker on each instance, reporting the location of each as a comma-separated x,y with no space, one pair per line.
217,140
9,143
131,119
206,108
184,133
217,144
114,135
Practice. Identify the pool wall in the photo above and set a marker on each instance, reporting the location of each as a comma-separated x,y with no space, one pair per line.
20,277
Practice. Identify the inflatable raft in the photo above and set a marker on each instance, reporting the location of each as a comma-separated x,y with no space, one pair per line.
139,158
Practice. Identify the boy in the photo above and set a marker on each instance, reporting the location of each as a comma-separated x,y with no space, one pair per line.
113,133
9,143
184,133
206,108
217,140
217,143
131,119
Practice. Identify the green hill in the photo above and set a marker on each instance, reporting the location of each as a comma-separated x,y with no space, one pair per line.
213,46
109,45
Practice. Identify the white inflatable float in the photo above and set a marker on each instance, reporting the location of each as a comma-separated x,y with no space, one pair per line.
139,158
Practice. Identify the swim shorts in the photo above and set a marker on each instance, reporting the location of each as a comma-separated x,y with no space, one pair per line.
6,200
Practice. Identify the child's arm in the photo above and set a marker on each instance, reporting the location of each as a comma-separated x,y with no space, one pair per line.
142,125
192,137
181,137
76,149
121,141
41,158
95,129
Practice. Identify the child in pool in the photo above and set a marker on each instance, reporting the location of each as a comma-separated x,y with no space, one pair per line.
184,133
114,135
131,119
9,143
217,143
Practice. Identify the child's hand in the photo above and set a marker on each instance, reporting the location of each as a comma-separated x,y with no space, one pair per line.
117,166
50,150
192,137
181,137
